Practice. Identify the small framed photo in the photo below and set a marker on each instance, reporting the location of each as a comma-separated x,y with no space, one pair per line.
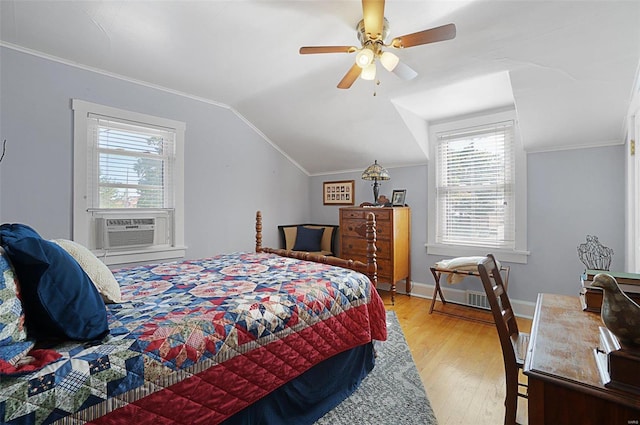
338,193
397,200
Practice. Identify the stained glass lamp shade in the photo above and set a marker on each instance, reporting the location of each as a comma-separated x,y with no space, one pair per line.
375,172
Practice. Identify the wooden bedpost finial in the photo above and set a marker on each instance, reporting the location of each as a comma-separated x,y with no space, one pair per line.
258,231
371,249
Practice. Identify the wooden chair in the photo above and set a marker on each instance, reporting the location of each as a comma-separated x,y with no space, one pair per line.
514,343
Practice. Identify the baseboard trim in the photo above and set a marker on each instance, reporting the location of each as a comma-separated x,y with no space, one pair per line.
521,308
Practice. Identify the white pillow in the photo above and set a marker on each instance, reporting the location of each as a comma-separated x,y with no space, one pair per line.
97,271
462,263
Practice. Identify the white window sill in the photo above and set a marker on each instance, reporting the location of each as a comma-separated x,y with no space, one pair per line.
141,255
509,256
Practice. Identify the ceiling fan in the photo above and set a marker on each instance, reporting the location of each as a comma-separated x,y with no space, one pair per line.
373,29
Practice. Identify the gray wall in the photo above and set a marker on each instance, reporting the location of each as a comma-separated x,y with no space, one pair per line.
570,194
230,171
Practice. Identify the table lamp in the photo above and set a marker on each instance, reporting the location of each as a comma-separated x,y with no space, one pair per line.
375,172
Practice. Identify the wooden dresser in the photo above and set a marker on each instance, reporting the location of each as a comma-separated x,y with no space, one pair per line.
393,232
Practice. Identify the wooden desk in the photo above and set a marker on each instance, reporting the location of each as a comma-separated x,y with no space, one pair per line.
564,383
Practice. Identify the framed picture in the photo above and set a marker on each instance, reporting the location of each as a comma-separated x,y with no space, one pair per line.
397,200
338,193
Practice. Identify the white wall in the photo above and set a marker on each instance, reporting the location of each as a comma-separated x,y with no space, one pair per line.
632,169
230,170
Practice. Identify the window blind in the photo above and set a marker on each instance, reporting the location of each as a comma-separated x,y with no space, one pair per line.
475,180
131,164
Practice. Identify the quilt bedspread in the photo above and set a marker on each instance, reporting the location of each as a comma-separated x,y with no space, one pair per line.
200,339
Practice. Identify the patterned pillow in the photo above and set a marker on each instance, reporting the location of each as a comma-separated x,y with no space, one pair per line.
97,271
13,335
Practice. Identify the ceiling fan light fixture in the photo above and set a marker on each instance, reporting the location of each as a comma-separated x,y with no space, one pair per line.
389,61
364,57
369,72
372,31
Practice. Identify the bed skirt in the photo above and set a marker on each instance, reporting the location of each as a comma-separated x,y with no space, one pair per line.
308,397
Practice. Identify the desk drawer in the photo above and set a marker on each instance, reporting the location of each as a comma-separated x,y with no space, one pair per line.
358,229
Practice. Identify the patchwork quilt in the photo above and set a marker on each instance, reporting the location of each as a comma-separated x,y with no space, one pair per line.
197,341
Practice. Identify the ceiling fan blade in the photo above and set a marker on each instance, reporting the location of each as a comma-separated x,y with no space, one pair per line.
351,76
404,71
327,49
445,32
373,15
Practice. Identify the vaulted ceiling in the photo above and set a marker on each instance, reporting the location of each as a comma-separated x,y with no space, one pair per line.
567,67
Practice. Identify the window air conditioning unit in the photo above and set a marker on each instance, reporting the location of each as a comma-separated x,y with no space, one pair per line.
119,233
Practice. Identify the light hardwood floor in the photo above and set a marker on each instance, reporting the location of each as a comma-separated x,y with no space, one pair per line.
459,360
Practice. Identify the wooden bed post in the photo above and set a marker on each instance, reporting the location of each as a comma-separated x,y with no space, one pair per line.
258,231
372,265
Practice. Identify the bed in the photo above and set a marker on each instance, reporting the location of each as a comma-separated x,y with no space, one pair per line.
270,336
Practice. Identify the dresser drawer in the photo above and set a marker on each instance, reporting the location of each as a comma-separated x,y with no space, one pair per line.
384,270
384,266
358,229
381,215
358,246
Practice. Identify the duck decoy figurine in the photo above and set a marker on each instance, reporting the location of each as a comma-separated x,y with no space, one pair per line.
620,314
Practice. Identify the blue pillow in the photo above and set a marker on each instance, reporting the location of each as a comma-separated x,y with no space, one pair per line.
11,232
308,239
58,297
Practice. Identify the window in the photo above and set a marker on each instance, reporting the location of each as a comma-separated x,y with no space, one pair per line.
128,168
131,165
474,186
474,190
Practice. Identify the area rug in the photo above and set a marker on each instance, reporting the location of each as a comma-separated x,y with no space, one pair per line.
392,393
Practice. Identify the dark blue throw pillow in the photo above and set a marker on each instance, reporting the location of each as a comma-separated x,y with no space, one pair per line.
58,297
308,239
11,232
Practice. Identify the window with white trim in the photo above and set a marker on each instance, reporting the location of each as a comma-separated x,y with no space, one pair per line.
128,184
474,186
474,190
